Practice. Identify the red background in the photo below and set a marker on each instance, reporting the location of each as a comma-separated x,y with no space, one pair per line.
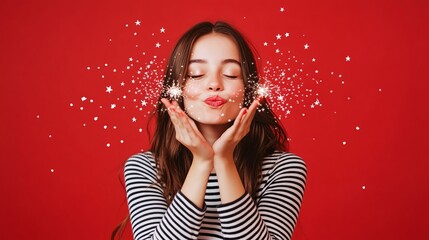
59,179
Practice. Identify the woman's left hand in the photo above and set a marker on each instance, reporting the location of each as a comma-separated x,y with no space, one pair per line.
224,147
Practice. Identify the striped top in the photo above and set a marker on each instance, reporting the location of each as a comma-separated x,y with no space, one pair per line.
272,215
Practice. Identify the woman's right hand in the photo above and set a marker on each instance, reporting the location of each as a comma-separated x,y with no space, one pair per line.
187,132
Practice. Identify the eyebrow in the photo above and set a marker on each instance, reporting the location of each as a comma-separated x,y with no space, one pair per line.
228,60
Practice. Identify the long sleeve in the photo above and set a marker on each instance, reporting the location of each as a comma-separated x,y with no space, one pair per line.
275,214
150,216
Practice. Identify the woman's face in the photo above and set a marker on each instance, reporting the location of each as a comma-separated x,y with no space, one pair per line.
214,87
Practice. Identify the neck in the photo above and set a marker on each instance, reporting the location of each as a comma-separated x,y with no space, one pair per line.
212,132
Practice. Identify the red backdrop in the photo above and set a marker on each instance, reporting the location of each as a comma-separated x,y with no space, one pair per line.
352,73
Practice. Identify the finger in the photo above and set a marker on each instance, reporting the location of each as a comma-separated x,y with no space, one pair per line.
240,116
166,103
171,111
254,105
194,126
176,105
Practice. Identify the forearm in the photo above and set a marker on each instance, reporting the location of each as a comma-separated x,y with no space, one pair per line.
230,184
195,184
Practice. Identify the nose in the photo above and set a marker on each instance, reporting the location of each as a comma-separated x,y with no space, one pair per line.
215,83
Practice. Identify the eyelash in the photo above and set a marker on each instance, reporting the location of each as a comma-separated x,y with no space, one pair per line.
199,76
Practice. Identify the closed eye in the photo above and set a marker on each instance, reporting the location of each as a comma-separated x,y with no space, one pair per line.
196,76
230,76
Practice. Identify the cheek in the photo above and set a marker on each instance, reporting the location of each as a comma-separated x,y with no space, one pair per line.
192,90
237,92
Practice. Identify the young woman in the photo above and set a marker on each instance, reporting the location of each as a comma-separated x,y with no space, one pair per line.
218,166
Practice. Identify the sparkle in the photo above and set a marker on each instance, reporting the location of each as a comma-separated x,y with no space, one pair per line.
83,99
279,36
137,23
363,187
175,92
157,45
144,103
306,46
162,30
52,170
282,9
348,59
357,128
265,44
130,59
262,91
134,119
287,34
109,89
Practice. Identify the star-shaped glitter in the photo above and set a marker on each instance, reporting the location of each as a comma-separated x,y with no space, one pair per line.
306,46
265,44
112,106
137,23
348,59
109,89
83,98
157,45
144,103
282,9
134,119
279,36
130,59
162,30
287,34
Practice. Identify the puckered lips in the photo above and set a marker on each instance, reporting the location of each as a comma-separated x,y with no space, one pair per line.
215,101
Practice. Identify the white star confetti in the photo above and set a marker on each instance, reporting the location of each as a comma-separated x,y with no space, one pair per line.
348,59
137,23
158,45
109,89
162,30
306,46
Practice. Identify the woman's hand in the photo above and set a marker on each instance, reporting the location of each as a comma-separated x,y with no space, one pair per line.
187,132
224,147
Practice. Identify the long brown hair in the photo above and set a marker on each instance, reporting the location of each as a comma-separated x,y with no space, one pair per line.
266,132
173,159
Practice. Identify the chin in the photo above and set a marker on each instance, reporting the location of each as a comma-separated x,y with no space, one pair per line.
212,119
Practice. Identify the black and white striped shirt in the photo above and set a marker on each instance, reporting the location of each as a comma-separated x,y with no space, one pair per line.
272,215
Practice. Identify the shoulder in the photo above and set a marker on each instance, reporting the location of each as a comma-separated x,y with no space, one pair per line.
141,162
284,162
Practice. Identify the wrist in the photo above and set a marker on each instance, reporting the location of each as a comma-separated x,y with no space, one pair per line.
202,165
